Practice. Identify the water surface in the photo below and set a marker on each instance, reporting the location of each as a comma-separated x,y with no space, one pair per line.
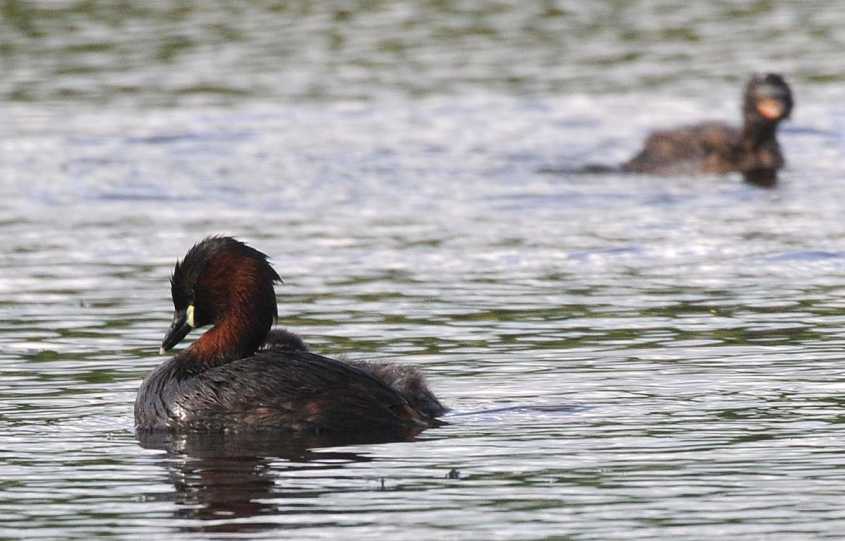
625,356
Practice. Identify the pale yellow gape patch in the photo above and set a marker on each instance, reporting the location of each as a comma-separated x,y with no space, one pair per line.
189,316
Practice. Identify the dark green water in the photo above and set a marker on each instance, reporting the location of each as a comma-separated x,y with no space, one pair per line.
670,349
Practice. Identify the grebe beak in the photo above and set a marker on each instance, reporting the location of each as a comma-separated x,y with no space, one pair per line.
183,322
771,108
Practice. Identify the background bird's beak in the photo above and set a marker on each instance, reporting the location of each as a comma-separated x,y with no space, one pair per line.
771,108
179,329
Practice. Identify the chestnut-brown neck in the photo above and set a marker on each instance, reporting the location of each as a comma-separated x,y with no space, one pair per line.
241,303
230,339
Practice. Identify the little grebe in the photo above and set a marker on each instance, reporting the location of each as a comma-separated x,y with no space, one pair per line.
240,375
716,148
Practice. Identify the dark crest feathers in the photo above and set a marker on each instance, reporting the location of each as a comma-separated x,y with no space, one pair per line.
187,272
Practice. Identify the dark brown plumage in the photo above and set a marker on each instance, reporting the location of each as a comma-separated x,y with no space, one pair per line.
716,148
406,380
239,375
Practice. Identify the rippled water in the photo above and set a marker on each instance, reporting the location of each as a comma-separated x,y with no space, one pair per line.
625,356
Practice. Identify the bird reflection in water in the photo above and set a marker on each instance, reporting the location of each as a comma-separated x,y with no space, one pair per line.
222,480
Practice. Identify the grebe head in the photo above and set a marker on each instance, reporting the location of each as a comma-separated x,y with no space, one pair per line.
767,98
225,283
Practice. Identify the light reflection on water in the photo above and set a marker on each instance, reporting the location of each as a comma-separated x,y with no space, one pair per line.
631,357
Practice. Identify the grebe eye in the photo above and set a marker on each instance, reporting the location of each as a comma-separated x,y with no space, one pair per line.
189,316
